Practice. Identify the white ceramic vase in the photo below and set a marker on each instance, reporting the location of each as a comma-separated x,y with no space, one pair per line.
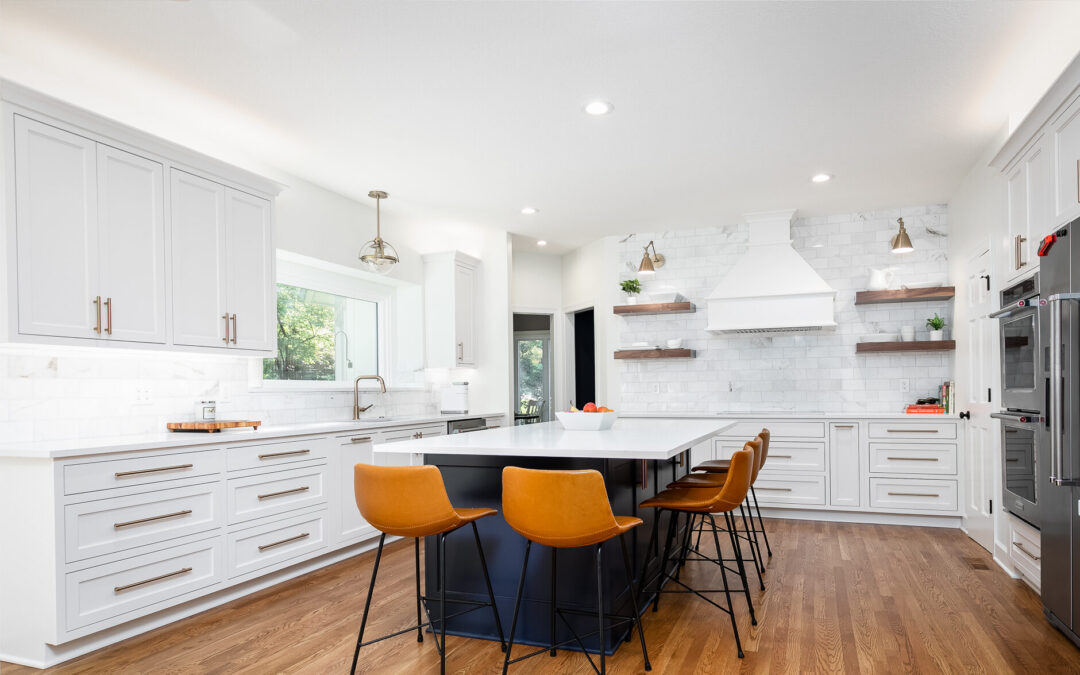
937,335
631,299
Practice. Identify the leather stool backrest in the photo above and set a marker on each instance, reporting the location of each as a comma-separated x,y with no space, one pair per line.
557,508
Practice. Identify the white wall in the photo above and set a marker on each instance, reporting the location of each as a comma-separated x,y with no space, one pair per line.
537,282
586,282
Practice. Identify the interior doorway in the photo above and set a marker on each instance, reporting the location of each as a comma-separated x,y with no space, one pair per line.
584,389
532,368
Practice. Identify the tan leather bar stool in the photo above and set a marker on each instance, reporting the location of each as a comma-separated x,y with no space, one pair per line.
411,501
706,503
720,466
567,509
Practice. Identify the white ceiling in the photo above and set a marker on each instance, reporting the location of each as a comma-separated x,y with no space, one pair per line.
465,112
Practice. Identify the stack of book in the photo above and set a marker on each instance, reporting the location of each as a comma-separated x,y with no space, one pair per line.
925,409
944,407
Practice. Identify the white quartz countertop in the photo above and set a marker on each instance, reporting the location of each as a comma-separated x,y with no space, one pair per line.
786,415
166,439
628,439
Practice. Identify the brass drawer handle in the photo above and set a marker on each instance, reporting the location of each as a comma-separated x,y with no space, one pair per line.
226,338
912,431
913,459
912,494
298,537
121,474
185,512
234,329
775,489
97,311
843,426
108,316
1026,552
285,454
644,474
120,589
360,439
285,492
781,456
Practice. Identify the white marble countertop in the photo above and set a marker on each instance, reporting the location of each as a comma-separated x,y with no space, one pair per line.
785,415
166,439
628,439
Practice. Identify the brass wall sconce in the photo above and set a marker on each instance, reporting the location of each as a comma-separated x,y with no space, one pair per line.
649,264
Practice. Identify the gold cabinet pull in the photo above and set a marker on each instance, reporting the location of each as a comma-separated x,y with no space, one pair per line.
912,494
108,316
298,537
781,456
775,489
285,492
913,459
226,338
177,573
360,439
234,329
1026,552
644,474
461,351
271,455
177,467
912,431
843,426
140,521
97,311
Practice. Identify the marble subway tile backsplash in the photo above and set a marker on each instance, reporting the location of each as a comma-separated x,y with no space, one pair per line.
795,372
49,394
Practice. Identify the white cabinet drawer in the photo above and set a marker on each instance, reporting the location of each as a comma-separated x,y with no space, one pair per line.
410,433
271,493
106,591
266,545
913,493
914,458
783,455
751,428
788,489
115,473
109,525
261,455
1025,550
925,431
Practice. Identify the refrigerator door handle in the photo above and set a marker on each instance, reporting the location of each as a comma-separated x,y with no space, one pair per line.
1057,395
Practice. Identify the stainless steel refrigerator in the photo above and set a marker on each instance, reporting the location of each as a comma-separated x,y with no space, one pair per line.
1059,497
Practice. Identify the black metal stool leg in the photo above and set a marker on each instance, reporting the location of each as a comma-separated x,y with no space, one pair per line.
442,603
633,600
759,567
367,603
727,589
517,606
663,561
487,582
733,534
600,606
419,617
761,521
554,595
648,552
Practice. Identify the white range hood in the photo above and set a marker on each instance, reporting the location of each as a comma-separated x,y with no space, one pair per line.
771,288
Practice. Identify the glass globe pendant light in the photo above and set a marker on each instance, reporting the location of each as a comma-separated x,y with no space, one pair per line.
378,256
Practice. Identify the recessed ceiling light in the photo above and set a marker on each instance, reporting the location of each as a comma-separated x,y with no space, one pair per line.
541,242
598,108
529,210
821,178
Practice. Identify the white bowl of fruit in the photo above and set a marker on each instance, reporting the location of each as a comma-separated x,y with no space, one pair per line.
590,418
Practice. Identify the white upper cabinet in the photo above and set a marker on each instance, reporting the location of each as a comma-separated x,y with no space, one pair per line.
1028,216
90,229
198,261
252,295
451,284
222,267
131,245
119,238
1066,149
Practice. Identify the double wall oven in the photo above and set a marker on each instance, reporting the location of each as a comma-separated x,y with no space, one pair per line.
1023,397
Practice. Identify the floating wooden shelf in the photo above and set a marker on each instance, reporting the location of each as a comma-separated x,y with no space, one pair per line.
921,346
656,308
905,295
654,354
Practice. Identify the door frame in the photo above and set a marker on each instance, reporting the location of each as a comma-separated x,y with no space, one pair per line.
557,336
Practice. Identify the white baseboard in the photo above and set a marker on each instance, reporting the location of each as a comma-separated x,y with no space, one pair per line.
863,517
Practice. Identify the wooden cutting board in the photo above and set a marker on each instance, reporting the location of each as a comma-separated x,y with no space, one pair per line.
211,427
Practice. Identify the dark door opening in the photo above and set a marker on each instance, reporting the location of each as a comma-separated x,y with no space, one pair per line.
584,358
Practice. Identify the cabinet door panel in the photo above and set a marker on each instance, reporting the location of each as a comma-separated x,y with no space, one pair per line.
464,314
844,473
131,242
198,260
1017,215
250,267
56,229
1067,165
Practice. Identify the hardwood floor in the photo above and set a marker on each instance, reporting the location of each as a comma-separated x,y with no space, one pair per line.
841,598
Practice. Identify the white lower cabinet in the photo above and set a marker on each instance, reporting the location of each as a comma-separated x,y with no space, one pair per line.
352,449
258,547
96,594
844,470
269,494
1025,551
907,493
790,489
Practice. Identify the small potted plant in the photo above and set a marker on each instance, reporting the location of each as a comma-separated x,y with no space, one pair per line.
631,287
937,327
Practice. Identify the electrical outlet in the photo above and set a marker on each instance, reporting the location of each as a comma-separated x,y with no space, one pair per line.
656,388
905,385
144,395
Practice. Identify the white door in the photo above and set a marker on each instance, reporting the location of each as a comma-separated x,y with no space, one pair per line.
977,370
250,265
56,228
198,260
131,242
464,314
